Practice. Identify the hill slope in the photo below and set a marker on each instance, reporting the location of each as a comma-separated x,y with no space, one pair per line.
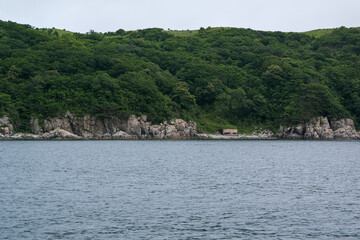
215,76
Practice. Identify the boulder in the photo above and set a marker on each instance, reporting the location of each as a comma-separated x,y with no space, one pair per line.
34,126
318,128
54,123
180,124
290,132
60,134
157,131
6,128
122,135
321,128
345,129
134,126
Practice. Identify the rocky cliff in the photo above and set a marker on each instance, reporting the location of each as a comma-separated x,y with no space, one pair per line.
88,127
321,128
6,127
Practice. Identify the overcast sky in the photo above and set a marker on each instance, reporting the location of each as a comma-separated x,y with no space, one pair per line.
110,15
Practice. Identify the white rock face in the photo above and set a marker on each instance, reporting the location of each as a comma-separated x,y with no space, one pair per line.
122,135
321,128
6,128
258,135
88,127
60,134
318,128
27,136
345,129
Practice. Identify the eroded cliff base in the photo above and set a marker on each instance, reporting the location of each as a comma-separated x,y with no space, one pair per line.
321,128
138,128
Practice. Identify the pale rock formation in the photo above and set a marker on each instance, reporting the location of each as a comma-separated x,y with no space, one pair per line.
291,132
59,134
321,128
318,128
70,126
122,135
87,127
6,128
345,129
25,136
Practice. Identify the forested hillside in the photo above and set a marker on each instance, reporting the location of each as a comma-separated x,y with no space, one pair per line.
215,76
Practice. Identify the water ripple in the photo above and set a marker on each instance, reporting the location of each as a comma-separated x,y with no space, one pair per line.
179,190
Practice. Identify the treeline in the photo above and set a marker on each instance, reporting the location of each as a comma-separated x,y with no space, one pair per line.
215,76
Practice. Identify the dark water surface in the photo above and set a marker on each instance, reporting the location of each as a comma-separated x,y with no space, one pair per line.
180,190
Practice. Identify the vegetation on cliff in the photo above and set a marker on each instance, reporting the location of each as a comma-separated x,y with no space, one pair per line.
215,76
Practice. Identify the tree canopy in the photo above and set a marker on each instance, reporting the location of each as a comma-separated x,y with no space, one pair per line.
215,76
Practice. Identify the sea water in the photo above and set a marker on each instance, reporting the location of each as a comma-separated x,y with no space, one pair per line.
180,189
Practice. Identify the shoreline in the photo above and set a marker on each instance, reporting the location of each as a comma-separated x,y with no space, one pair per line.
71,127
201,137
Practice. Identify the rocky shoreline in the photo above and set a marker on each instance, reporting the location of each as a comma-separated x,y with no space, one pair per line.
321,128
71,127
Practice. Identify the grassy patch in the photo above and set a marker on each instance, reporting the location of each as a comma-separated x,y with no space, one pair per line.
58,31
210,124
248,129
319,32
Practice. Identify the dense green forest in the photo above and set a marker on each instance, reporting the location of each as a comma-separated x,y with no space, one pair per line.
215,76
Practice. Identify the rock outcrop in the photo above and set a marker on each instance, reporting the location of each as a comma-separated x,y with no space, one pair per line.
6,128
88,127
59,133
345,128
318,128
321,128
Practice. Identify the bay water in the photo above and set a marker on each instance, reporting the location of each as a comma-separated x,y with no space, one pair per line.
180,189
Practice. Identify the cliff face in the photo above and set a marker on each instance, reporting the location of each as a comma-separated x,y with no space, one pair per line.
87,127
6,127
321,128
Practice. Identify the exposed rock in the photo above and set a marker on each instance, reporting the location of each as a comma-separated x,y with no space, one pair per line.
134,126
59,134
6,128
345,129
122,135
106,136
143,118
180,125
299,130
87,127
51,124
290,132
157,131
25,136
34,126
320,128
171,132
264,135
